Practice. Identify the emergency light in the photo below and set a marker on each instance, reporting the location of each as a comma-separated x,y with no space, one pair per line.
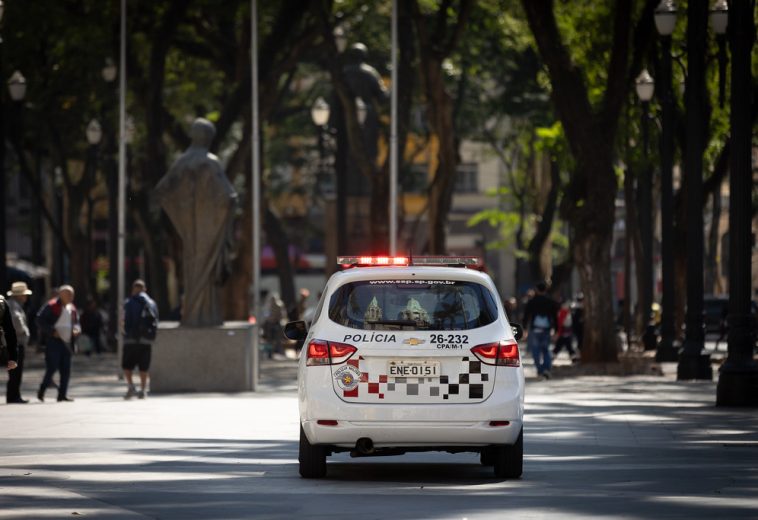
390,261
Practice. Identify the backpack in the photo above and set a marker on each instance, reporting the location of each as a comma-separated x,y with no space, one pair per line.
541,321
142,321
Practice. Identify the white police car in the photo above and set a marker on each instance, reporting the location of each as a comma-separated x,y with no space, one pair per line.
410,355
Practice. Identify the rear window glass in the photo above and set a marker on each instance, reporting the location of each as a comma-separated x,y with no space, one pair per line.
412,305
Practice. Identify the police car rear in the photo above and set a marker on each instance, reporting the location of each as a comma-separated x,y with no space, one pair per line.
410,355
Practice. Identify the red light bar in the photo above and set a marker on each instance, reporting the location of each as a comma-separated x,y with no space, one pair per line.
365,261
353,261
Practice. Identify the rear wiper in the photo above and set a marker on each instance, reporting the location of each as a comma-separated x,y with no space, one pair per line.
402,323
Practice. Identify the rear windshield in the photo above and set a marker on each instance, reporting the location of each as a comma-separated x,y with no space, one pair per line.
412,305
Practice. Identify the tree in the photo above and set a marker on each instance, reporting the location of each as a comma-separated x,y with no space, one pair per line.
439,33
590,120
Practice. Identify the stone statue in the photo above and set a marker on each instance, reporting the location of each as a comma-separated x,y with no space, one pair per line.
201,202
365,82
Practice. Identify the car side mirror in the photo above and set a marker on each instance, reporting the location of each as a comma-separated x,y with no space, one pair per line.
518,331
296,330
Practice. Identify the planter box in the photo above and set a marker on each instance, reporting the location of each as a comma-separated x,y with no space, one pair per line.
214,359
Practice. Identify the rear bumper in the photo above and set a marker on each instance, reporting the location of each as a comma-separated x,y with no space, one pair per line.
412,434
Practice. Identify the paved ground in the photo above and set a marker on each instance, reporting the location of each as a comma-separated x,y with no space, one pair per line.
601,447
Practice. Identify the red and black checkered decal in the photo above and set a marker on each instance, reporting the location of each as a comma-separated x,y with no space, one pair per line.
471,380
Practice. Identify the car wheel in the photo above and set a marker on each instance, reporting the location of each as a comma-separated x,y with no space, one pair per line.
509,460
312,458
487,456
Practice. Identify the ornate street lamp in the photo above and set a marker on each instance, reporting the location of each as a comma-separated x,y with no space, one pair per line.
665,17
340,38
320,112
719,16
645,86
665,22
320,115
94,132
719,19
17,86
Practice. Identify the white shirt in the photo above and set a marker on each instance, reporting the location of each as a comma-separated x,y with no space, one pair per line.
65,324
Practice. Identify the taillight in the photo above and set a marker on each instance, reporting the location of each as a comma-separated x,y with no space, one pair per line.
502,353
322,352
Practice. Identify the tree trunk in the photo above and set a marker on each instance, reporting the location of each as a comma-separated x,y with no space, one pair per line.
545,227
440,107
435,45
592,253
632,222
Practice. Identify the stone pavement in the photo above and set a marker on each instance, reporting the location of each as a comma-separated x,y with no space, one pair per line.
605,447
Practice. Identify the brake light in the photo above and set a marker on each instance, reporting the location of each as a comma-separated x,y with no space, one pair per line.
322,352
501,353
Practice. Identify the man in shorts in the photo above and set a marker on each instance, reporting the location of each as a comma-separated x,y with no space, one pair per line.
140,320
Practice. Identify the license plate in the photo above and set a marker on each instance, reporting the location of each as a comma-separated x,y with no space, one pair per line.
414,369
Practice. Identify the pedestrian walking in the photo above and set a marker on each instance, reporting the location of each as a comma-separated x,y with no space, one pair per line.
274,316
8,342
140,329
564,335
92,327
577,319
17,298
58,325
540,318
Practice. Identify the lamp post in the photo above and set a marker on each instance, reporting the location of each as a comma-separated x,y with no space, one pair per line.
693,362
645,87
60,260
719,18
94,133
738,378
17,93
320,112
665,21
109,73
320,116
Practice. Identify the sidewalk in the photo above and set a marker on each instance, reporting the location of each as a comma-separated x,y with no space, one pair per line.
100,376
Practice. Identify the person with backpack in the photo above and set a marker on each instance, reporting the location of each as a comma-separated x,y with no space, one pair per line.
540,319
140,328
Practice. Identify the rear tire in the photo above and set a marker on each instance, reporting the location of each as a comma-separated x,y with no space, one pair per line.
509,460
312,458
487,456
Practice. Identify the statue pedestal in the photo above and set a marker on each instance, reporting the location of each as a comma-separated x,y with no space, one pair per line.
212,359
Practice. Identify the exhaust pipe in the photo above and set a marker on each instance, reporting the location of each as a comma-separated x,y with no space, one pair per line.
364,446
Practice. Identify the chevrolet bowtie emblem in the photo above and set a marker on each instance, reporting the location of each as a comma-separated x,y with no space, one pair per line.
414,341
